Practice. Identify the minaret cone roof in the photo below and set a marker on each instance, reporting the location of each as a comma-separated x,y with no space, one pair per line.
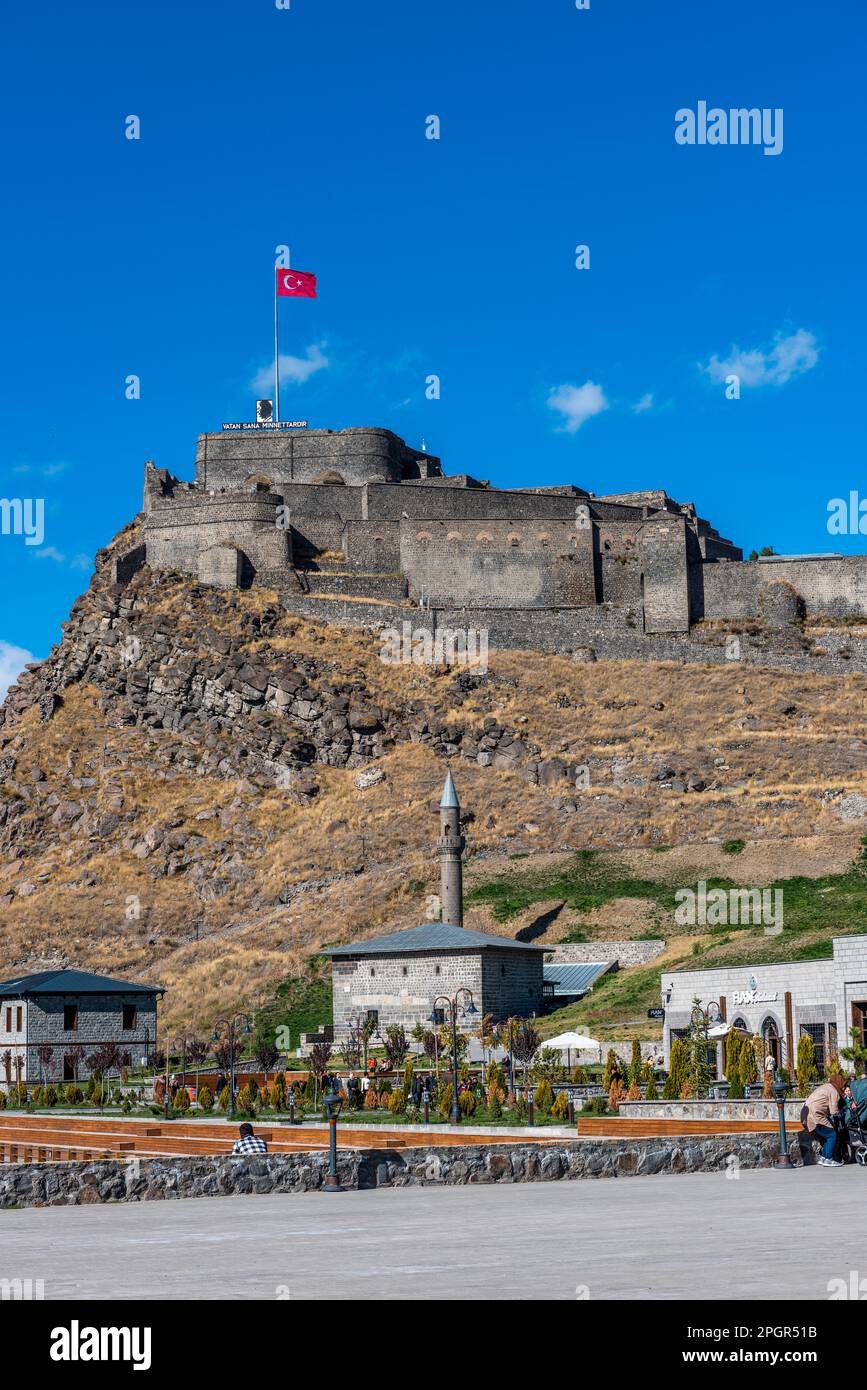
449,800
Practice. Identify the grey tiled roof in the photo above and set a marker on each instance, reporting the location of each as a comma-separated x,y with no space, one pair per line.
431,936
71,982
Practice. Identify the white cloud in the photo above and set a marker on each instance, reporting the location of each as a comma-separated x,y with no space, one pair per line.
577,404
50,552
296,369
789,355
646,403
12,663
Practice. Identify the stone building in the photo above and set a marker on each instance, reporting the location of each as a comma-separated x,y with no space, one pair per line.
358,525
778,1002
51,1022
396,979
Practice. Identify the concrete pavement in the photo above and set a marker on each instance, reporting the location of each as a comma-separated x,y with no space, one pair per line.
761,1235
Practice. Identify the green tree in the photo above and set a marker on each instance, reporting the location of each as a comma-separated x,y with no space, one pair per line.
635,1064
805,1064
856,1053
747,1063
678,1070
612,1068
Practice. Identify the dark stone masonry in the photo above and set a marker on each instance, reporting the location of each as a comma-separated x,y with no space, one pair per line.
167,1179
356,526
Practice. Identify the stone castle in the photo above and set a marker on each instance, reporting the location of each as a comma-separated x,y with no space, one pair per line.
355,525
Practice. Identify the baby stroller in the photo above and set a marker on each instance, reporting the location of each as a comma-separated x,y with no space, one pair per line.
857,1139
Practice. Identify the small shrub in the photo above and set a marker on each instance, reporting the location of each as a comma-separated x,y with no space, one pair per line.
371,1099
17,1096
651,1093
397,1101
616,1094
2,1100
206,1098
181,1101
595,1105
127,1104
49,1095
560,1108
543,1096
579,1076
223,1101
72,1094
246,1100
36,1095
467,1103
495,1105
444,1100
686,1090
634,1092
521,1110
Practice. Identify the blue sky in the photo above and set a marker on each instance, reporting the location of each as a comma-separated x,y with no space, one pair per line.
306,126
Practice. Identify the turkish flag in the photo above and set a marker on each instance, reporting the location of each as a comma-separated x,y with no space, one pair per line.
296,282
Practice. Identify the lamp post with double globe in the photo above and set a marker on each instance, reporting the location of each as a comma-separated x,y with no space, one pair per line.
468,1009
229,1026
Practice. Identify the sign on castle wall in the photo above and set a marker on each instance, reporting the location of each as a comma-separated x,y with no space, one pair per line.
266,425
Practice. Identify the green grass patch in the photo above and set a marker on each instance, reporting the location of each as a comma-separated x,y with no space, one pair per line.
734,846
300,1004
585,883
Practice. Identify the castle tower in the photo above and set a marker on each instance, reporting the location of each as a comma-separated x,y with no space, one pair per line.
450,847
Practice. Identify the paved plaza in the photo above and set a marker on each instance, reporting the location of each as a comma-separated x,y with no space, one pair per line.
762,1235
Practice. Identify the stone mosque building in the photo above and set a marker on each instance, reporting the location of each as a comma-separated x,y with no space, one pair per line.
396,979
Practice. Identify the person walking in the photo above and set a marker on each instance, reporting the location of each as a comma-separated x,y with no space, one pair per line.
819,1117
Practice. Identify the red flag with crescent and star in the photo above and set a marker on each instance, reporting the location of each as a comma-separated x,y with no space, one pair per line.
298,283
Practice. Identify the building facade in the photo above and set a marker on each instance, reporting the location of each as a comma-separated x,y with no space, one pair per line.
397,979
52,1022
780,1002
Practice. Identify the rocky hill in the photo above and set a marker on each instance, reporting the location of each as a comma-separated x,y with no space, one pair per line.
200,789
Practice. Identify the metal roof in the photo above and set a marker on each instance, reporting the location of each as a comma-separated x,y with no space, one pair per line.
431,936
71,982
574,979
449,799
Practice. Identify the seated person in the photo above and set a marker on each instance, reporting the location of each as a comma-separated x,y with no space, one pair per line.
249,1143
856,1095
819,1113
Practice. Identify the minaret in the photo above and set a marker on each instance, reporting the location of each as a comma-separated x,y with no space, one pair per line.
450,847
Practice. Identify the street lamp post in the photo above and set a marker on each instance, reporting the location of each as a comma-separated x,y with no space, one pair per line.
705,1018
781,1091
332,1103
229,1026
469,1008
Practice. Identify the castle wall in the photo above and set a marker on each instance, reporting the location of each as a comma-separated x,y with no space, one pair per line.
391,502
830,586
499,564
618,563
178,529
372,545
664,564
227,459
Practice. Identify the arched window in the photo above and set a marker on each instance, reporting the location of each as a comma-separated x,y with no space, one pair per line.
772,1041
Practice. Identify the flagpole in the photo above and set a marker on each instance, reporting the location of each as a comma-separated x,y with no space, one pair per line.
276,355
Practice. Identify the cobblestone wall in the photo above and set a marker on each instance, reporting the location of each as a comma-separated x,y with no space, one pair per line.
155,1179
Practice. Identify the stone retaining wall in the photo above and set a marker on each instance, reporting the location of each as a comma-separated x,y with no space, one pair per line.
158,1179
